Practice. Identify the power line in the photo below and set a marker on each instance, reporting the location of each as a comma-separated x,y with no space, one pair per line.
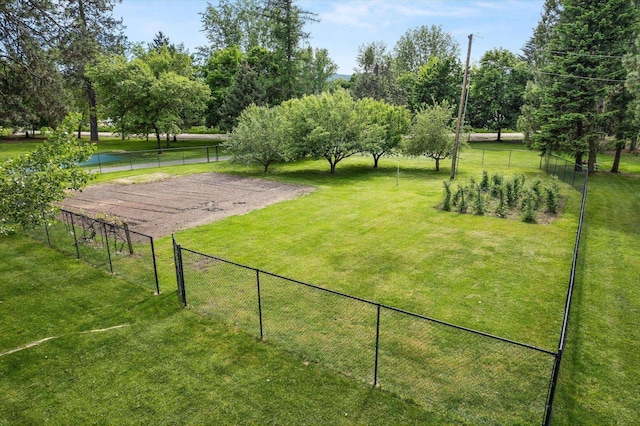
593,55
580,77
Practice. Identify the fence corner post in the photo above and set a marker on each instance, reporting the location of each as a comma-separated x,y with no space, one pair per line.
375,370
259,303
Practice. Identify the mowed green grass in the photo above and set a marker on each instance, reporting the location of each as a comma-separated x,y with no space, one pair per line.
367,233
164,365
461,262
600,374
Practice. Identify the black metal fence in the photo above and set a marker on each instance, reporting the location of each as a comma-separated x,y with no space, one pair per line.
131,160
566,171
579,178
467,375
103,243
472,376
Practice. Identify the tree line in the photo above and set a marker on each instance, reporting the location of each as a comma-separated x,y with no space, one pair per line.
574,87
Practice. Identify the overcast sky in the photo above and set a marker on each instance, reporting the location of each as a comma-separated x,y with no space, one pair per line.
346,24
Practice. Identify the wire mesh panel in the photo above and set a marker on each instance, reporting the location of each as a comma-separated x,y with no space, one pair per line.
477,379
133,256
110,246
322,326
221,290
500,158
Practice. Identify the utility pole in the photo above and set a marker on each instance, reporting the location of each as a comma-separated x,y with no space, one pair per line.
461,105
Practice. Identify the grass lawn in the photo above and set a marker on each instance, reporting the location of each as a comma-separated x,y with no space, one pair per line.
372,234
164,365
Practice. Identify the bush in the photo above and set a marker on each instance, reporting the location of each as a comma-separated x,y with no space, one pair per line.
497,182
460,200
553,195
501,208
446,205
484,183
537,192
528,207
479,202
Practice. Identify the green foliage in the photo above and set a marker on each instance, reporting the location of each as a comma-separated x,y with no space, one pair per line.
430,133
156,91
460,200
497,90
437,80
245,90
219,72
582,95
552,195
484,182
479,202
529,207
32,184
375,77
502,196
385,125
501,208
326,125
446,204
417,46
262,136
497,184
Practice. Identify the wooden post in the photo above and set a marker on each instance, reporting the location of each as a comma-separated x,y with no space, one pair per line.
456,142
128,234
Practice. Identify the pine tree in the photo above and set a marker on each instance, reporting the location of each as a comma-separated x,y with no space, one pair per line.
582,72
245,90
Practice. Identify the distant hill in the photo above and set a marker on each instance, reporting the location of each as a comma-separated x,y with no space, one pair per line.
338,76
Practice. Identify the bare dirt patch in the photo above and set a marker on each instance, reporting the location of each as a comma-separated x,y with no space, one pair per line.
159,205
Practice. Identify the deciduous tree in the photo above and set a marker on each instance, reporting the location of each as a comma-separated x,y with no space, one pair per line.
32,185
431,133
497,90
418,45
263,136
384,125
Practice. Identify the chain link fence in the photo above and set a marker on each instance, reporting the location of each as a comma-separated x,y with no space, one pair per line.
106,244
566,171
470,376
132,160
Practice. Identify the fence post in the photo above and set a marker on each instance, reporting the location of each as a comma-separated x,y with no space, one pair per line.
207,154
482,163
217,159
177,256
106,243
182,156
259,302
375,370
155,266
99,163
125,225
75,238
548,409
510,152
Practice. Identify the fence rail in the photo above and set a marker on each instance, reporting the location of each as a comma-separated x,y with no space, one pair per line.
112,246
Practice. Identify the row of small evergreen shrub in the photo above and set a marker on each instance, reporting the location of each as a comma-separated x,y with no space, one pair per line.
503,197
